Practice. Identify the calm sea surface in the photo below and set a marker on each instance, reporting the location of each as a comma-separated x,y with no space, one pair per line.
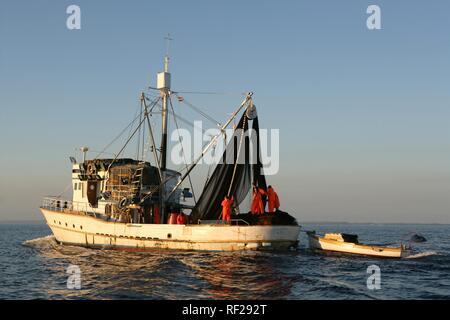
33,266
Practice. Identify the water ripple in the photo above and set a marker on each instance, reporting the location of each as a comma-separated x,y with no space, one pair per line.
37,268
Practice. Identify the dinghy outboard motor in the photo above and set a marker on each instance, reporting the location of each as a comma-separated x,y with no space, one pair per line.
417,238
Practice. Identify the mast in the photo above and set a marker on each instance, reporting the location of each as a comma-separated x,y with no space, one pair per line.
164,77
163,85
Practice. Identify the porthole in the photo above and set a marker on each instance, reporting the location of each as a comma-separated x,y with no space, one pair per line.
66,224
73,226
59,222
81,227
169,235
54,221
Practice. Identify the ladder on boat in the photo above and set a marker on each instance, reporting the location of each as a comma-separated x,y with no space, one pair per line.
136,182
137,187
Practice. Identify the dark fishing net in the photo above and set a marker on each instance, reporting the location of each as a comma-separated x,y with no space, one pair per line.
235,180
228,178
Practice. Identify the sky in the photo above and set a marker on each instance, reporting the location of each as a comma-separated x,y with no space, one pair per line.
363,114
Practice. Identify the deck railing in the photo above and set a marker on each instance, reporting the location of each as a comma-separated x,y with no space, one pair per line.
59,204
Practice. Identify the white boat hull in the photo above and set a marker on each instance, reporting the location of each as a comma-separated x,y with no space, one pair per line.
319,243
83,230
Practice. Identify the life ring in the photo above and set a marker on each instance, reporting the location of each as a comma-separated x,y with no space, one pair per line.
91,168
123,203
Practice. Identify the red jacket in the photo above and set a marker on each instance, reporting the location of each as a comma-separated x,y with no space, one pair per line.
257,202
274,201
226,208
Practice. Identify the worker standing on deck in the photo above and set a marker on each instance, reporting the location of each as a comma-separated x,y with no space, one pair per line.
226,208
274,201
258,206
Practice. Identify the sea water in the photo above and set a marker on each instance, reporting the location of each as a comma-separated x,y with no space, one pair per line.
34,266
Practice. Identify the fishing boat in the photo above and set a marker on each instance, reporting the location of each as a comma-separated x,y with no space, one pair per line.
348,243
140,204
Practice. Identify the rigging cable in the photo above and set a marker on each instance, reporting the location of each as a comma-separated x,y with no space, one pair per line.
182,149
153,102
187,121
179,118
65,190
213,151
192,166
139,135
143,142
198,110
152,138
123,148
208,174
223,93
211,93
116,138
136,115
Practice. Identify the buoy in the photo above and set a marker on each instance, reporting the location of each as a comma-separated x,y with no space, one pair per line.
181,218
91,168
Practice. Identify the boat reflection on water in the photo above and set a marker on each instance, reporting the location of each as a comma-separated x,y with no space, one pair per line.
107,274
249,275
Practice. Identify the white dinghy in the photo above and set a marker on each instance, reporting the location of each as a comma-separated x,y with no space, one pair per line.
348,243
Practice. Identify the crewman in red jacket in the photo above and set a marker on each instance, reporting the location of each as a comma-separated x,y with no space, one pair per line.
226,208
274,201
257,200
